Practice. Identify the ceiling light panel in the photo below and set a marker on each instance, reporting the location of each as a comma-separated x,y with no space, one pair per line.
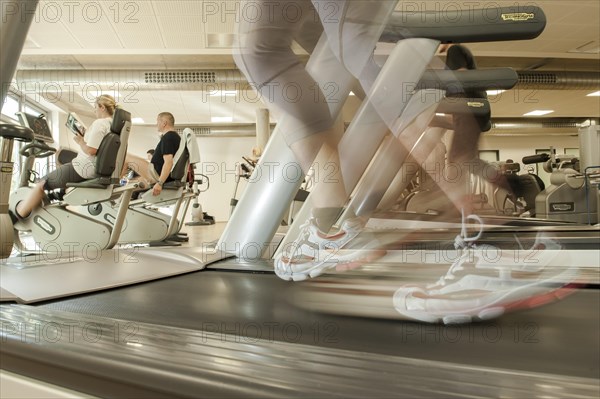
539,112
220,40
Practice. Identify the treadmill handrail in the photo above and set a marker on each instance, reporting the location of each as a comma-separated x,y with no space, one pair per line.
478,107
466,26
480,79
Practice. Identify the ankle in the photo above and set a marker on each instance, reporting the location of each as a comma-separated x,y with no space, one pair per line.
21,211
324,218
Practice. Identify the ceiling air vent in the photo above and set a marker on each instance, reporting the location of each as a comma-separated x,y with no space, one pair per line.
559,80
166,77
568,124
561,124
537,78
198,131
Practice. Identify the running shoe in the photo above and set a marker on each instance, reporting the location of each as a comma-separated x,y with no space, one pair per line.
485,282
314,252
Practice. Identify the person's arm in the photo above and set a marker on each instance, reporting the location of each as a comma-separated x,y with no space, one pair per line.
164,174
84,147
94,135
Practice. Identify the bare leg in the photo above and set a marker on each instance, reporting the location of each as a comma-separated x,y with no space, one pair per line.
461,156
139,165
330,197
25,207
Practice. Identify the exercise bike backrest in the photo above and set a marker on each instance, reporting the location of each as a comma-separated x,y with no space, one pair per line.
180,166
181,161
110,152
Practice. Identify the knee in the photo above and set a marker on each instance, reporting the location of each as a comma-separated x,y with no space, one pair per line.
263,58
128,159
238,59
42,185
255,65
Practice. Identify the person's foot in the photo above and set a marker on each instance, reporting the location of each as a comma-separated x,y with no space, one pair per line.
313,252
485,282
55,196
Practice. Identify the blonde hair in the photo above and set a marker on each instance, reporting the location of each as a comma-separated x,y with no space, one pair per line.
108,102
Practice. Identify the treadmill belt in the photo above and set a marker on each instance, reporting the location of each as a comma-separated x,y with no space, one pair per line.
235,334
559,338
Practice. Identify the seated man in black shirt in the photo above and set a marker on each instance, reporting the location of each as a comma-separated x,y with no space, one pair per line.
157,171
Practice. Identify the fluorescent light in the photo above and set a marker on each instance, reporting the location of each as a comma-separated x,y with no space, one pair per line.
494,92
221,119
223,93
352,93
137,121
438,114
594,94
539,112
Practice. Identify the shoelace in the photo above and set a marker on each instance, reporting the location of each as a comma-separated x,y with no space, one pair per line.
465,243
303,238
463,240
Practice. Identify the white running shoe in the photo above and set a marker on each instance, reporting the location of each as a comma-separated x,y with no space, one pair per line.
485,281
313,252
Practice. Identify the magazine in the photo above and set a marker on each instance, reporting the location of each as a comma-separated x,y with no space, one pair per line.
75,125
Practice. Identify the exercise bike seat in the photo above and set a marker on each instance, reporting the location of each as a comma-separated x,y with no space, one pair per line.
15,132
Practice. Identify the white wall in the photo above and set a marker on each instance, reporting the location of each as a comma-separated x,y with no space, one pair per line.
220,158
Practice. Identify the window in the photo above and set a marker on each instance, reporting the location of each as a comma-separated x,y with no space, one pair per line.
33,110
572,151
10,108
489,155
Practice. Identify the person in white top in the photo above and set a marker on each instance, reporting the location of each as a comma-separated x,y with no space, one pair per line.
83,167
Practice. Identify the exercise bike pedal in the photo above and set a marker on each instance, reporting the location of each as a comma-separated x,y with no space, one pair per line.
177,238
164,243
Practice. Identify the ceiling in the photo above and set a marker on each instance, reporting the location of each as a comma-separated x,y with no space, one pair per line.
197,35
